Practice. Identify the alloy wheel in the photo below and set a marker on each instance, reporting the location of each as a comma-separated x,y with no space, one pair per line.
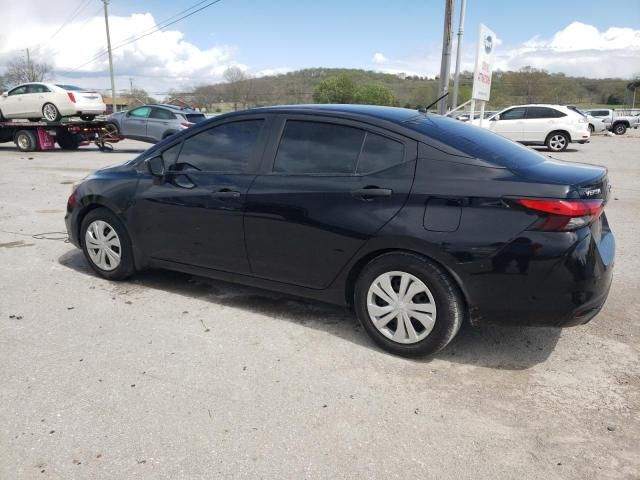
401,307
50,112
103,245
558,142
24,143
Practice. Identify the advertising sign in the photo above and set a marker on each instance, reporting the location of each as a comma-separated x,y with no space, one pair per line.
484,64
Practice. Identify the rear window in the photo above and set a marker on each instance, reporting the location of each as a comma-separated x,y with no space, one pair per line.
195,117
70,88
475,142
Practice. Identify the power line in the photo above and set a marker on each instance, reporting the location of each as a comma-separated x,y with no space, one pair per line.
81,6
156,29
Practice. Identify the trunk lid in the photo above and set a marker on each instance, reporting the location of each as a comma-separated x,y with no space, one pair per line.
88,97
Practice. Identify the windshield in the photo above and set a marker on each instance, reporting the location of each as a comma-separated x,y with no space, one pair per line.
475,142
71,88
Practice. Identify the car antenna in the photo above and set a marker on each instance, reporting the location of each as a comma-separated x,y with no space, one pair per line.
426,109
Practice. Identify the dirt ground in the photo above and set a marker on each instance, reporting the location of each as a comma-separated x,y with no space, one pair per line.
169,376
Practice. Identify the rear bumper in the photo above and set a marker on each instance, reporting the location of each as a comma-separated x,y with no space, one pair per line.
537,290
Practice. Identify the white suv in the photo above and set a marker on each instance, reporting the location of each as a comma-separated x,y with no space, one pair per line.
552,125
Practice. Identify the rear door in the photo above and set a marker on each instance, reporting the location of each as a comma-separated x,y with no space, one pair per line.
159,122
327,186
35,98
134,123
510,124
539,121
195,217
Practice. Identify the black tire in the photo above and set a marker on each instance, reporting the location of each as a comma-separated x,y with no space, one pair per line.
51,113
35,119
126,267
26,141
591,129
87,118
619,128
68,141
449,302
557,141
112,129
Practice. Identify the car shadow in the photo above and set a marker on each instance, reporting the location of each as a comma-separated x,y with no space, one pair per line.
505,348
551,152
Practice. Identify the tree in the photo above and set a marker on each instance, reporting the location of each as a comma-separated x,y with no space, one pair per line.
4,85
19,70
337,89
238,85
137,97
372,94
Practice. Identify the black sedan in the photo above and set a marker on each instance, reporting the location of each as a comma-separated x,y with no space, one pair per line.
418,221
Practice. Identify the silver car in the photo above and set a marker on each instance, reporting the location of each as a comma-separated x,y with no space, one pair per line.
153,123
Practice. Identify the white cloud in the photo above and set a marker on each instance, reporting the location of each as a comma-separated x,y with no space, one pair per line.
379,58
158,62
578,49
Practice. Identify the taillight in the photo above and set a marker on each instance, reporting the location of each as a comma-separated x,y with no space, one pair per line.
563,215
73,200
72,97
186,124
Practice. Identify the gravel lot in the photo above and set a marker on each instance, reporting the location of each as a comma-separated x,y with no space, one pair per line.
169,376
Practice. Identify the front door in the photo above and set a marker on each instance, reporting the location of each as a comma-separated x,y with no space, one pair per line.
196,216
135,123
510,124
331,185
13,103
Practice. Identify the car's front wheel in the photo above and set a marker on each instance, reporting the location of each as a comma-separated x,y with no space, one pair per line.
619,129
407,304
51,113
557,141
106,245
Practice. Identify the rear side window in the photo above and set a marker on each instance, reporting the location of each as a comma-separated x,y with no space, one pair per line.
318,148
162,114
544,112
36,88
225,148
379,153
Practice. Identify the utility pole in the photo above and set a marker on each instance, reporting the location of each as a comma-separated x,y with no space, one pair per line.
456,76
113,83
29,69
131,86
445,66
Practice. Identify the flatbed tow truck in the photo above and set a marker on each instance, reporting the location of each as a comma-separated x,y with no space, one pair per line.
68,134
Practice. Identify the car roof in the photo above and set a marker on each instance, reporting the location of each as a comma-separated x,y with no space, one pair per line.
392,114
173,107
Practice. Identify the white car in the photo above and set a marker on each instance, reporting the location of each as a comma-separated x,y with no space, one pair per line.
555,126
34,101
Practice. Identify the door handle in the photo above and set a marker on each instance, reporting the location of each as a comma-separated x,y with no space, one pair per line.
225,193
368,193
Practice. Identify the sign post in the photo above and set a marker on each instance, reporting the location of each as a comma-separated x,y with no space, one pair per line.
485,55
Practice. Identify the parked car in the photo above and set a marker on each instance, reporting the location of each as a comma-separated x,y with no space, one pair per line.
419,221
596,125
618,124
35,101
153,123
555,126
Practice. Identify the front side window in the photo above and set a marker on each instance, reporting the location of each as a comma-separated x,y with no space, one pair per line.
19,90
225,148
513,114
142,112
318,148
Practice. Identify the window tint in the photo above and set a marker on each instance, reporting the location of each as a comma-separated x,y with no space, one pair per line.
71,88
19,90
37,89
170,155
142,112
475,142
513,114
195,117
544,112
379,153
226,148
162,114
313,147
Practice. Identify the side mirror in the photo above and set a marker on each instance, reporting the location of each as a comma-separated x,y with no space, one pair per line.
155,165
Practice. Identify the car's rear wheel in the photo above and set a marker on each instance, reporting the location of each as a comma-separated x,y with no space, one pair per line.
407,304
87,118
51,113
26,141
619,129
591,129
106,245
557,141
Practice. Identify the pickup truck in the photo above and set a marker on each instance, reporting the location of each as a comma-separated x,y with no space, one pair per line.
618,124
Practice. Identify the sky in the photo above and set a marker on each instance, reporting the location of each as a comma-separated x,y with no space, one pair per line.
591,38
